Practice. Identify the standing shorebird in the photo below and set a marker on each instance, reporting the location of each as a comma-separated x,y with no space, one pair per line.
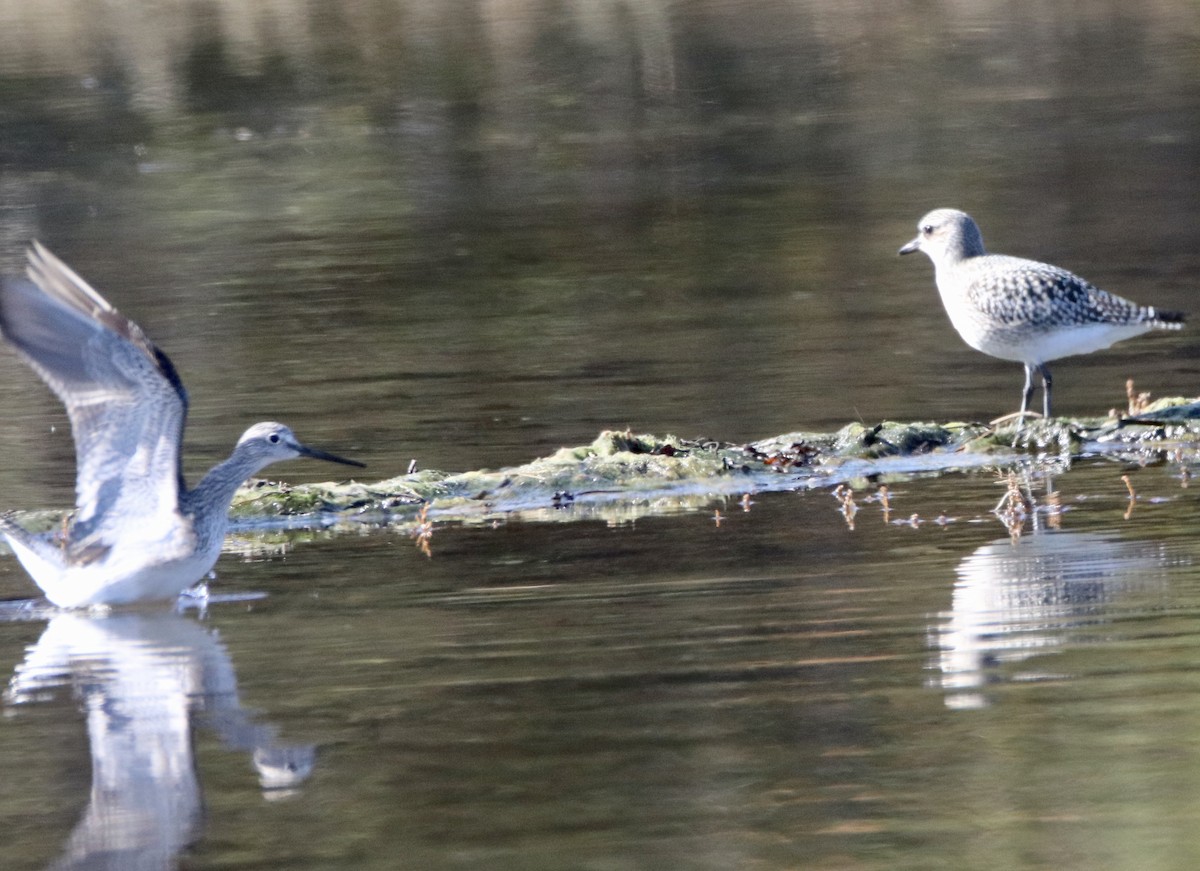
138,533
1023,310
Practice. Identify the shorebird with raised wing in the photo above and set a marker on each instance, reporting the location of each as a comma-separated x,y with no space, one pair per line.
138,532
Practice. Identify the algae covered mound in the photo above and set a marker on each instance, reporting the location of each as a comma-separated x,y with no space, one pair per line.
621,467
616,465
621,475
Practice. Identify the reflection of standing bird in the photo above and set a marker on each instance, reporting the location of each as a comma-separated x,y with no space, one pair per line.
1016,600
138,532
1023,310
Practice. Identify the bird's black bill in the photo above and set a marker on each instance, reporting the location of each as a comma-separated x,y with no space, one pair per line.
313,453
914,245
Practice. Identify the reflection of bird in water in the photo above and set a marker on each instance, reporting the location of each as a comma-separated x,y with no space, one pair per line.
1014,599
138,532
143,681
282,769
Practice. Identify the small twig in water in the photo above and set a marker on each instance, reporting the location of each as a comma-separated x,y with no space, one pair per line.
423,533
1013,506
848,507
885,502
1138,402
1132,496
1054,509
1016,415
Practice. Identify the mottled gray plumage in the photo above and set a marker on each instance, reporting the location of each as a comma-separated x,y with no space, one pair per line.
1022,310
138,532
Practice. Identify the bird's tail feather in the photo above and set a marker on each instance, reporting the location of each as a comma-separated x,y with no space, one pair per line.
1166,320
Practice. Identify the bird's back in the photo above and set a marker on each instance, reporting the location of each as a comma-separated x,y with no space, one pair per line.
1024,310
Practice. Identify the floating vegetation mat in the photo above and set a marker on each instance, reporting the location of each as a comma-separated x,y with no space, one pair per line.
622,475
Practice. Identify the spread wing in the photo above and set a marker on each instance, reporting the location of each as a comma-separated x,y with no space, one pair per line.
126,403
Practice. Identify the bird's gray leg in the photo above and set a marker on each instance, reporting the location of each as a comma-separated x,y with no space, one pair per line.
1026,394
1045,371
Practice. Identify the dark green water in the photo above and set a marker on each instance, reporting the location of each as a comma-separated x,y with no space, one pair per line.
469,234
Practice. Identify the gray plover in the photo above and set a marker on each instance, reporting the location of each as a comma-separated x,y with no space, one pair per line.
138,532
1022,310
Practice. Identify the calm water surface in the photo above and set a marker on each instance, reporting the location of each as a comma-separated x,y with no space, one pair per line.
778,690
470,234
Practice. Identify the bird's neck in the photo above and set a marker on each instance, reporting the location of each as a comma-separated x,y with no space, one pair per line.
215,491
953,257
952,260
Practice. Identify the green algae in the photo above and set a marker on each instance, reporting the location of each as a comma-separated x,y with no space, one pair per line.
622,475
894,438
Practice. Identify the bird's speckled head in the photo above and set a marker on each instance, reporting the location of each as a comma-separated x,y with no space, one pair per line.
947,236
271,442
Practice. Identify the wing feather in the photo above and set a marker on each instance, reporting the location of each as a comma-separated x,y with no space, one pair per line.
125,400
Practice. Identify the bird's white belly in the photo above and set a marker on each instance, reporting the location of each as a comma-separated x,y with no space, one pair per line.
155,581
1041,346
142,571
1031,343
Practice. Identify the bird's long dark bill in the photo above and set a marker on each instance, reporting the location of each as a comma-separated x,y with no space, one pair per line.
315,454
912,246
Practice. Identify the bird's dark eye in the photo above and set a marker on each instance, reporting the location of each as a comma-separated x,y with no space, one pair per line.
273,438
927,230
